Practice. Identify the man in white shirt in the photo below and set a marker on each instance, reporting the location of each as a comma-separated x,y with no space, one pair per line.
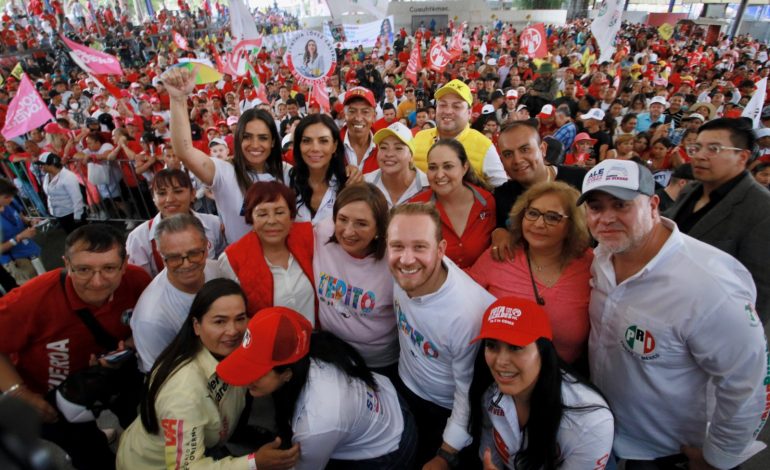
676,345
163,306
438,312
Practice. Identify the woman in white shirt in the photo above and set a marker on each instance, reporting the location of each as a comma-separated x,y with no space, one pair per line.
353,283
341,414
257,153
273,263
320,170
397,177
528,411
65,201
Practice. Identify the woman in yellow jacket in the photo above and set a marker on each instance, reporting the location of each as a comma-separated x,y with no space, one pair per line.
187,409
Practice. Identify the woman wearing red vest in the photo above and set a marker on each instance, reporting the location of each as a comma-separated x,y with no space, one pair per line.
274,262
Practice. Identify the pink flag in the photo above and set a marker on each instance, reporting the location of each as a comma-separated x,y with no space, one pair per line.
320,95
93,61
27,111
179,40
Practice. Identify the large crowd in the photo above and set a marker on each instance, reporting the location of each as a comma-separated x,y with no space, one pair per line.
506,263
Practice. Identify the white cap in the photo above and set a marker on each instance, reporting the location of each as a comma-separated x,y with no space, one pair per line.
397,130
696,116
659,100
217,141
593,113
73,412
763,132
623,179
287,139
487,109
492,61
511,94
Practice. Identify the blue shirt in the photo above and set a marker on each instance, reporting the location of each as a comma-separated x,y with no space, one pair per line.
13,224
644,121
566,135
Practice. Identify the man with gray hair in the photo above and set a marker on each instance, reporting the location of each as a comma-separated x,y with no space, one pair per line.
676,345
163,306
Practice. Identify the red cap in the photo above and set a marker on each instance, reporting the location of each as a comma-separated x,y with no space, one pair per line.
212,128
734,113
584,136
399,90
154,99
54,128
136,121
516,321
221,122
157,119
275,336
547,111
360,92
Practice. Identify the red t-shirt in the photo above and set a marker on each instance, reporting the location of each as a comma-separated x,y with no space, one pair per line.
465,249
45,337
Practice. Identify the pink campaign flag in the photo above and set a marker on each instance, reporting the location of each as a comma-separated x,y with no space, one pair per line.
93,61
27,111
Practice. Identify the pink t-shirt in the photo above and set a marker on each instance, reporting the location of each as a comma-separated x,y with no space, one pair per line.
566,301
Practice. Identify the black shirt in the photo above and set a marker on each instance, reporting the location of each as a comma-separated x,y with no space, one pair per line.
507,193
688,217
665,200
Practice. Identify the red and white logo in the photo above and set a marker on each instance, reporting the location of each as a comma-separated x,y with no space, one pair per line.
533,43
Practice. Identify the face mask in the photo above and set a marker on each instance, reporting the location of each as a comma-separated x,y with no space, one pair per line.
74,105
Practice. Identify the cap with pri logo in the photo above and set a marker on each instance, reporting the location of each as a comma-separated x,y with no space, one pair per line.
623,179
457,87
516,321
48,158
546,111
488,109
360,92
275,336
397,130
510,94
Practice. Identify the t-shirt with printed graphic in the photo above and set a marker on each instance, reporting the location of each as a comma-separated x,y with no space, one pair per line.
355,298
434,332
43,333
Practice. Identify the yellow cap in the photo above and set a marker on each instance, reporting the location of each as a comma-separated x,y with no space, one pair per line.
457,87
397,130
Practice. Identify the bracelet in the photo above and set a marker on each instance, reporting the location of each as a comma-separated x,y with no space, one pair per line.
13,389
13,242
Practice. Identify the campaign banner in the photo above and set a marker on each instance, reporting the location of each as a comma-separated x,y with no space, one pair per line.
753,109
368,35
605,27
311,57
27,111
533,43
415,64
179,40
93,61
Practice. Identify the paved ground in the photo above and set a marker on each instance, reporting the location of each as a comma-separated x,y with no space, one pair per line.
53,248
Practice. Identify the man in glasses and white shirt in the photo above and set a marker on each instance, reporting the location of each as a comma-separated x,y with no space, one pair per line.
164,305
726,208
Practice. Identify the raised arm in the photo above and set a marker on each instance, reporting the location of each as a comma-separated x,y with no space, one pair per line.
180,82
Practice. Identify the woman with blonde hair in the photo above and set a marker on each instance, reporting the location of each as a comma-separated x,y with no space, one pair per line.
551,262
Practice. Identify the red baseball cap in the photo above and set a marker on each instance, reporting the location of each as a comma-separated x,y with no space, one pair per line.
54,128
516,321
546,111
275,336
362,93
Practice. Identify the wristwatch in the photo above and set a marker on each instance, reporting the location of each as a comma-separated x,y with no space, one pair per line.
453,459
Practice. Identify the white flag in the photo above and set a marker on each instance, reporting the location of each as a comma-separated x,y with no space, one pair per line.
242,23
483,49
605,26
754,109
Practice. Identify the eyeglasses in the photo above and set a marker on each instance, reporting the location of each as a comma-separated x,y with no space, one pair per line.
550,217
409,91
85,273
711,149
194,257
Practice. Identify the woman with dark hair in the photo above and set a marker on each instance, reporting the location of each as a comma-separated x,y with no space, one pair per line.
172,193
466,206
551,262
340,414
354,284
319,171
312,63
273,263
257,153
186,408
529,412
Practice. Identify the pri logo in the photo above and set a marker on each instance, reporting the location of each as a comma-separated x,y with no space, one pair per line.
531,41
641,342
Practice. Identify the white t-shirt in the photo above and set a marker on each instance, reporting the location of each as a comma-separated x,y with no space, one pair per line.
435,331
229,199
337,417
355,298
160,313
584,437
325,209
139,241
291,287
418,185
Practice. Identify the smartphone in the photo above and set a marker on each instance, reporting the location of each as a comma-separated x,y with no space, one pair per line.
115,357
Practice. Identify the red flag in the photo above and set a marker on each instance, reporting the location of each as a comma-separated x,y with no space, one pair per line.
415,64
320,95
104,81
218,60
179,40
456,44
438,57
532,41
